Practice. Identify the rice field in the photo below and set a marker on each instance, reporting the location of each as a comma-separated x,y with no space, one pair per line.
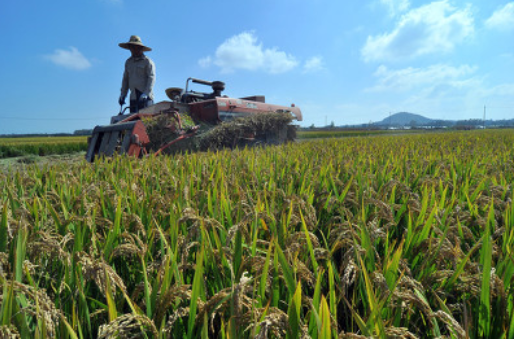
391,237
41,146
340,133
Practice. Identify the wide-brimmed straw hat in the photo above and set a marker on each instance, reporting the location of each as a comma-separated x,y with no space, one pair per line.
135,41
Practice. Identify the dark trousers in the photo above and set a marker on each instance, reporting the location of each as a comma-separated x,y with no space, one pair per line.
136,105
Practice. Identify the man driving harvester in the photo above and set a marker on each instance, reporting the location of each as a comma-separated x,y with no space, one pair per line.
139,76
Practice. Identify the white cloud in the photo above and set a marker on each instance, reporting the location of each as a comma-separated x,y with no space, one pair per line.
435,76
502,19
396,6
433,28
243,51
71,59
205,62
313,64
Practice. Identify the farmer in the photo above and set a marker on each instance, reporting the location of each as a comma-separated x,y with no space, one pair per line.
139,75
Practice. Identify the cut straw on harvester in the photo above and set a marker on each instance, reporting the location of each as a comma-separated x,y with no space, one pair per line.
263,128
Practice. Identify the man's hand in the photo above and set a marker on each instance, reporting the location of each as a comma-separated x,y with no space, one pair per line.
121,100
143,97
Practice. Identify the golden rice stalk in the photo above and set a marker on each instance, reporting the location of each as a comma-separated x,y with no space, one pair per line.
5,266
351,273
243,227
185,263
384,209
9,332
20,218
276,322
50,244
299,205
134,225
352,336
256,265
391,333
172,295
399,333
240,300
451,323
179,313
375,231
299,239
305,274
96,269
128,326
380,283
191,218
342,235
131,246
39,305
321,254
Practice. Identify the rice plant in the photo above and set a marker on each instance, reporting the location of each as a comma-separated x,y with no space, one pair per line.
14,147
388,236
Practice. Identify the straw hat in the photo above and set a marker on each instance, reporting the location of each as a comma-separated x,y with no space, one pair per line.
173,92
135,41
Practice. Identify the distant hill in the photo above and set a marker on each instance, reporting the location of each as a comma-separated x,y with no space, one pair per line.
404,119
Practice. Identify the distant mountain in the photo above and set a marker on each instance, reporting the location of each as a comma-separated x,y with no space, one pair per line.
404,119
411,120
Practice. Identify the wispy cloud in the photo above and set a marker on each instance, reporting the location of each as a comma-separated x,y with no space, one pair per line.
313,64
205,62
433,28
440,90
243,51
412,78
396,7
501,19
70,59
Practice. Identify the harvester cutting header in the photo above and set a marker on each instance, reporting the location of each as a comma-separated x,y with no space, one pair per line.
209,120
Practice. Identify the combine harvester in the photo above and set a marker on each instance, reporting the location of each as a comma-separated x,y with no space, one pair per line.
194,114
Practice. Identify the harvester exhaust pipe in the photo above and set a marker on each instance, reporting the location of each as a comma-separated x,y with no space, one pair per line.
217,86
198,81
202,82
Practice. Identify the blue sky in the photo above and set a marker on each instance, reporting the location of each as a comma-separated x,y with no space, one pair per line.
346,62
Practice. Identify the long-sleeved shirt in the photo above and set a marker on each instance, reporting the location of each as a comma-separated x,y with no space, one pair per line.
139,74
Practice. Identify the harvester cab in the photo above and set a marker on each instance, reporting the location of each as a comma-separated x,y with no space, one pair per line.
127,133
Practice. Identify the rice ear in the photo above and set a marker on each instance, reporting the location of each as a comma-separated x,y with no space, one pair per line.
128,326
